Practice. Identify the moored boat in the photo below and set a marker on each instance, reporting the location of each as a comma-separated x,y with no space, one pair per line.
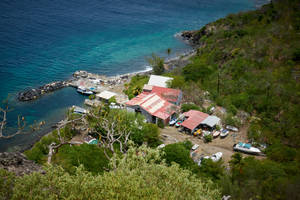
246,148
224,133
84,91
216,134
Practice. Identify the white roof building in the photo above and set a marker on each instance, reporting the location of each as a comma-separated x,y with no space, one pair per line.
106,95
211,121
160,81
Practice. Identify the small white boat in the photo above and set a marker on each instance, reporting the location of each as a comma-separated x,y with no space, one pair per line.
215,157
195,147
216,134
232,128
79,110
224,133
246,148
84,91
161,146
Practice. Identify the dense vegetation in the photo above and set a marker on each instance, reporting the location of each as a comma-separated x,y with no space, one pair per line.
250,61
140,174
135,87
247,61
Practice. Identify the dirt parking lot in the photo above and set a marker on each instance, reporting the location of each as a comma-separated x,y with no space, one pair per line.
172,135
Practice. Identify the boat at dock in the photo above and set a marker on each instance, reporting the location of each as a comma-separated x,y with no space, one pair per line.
84,91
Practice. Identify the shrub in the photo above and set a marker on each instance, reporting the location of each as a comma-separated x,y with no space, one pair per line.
187,107
151,135
112,100
179,154
91,157
92,96
157,64
136,85
160,123
208,138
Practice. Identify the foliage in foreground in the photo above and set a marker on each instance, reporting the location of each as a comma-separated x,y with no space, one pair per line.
90,156
139,174
135,87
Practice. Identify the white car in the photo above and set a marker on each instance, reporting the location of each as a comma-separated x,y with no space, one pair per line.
172,122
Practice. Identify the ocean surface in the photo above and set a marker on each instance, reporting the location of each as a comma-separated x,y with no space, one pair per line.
45,41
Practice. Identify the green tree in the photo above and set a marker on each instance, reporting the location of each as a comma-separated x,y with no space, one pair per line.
138,175
157,63
180,154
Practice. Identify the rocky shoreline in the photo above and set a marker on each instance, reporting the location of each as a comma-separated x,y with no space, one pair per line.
17,162
35,93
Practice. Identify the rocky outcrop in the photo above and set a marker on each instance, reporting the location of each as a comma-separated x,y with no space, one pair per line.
16,162
32,94
193,37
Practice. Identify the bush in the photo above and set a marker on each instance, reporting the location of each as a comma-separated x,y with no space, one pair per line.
231,120
136,85
112,100
180,154
138,175
160,123
151,135
208,138
157,63
7,181
92,96
187,107
90,156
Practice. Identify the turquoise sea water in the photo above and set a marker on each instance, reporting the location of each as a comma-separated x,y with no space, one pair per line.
44,41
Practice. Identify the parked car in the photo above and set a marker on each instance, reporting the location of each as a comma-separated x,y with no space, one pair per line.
178,123
232,128
172,122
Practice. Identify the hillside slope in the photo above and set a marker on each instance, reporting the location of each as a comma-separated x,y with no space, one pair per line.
251,61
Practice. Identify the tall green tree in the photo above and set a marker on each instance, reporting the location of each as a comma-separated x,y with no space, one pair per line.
157,63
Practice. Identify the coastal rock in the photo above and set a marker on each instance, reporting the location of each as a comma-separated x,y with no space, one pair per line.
32,94
16,162
80,73
193,37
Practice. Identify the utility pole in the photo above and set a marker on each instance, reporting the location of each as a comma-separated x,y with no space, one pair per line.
218,89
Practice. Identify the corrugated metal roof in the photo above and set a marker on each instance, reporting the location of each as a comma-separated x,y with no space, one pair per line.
194,118
153,104
211,121
160,81
106,95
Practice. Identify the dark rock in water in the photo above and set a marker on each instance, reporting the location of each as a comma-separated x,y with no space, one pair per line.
16,162
32,94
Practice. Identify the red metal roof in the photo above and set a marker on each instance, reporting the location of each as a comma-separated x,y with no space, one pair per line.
194,118
154,104
168,94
